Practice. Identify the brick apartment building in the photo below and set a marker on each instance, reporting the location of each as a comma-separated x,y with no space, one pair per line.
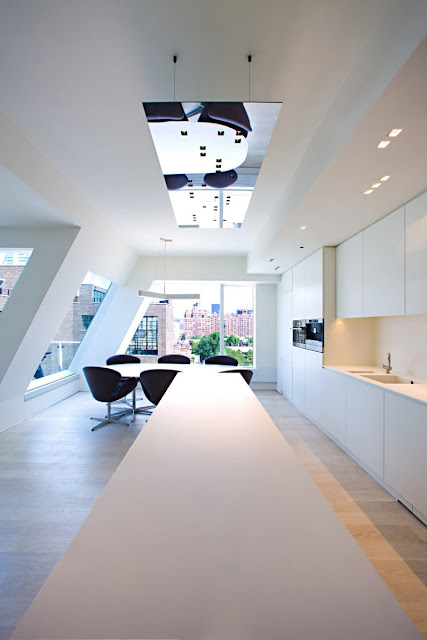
154,335
198,322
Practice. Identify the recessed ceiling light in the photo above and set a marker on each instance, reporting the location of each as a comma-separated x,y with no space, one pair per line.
301,247
384,178
383,144
366,193
303,227
275,268
271,260
376,185
394,133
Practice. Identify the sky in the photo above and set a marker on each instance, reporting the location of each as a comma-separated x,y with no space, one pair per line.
235,297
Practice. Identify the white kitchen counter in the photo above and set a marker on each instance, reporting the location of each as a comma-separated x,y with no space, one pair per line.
416,391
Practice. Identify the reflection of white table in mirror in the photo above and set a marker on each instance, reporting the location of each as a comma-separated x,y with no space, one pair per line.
211,529
180,153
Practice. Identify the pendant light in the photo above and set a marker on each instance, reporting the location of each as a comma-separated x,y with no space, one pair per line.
146,293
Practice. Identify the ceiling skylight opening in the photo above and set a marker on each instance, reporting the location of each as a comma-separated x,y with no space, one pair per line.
394,133
383,144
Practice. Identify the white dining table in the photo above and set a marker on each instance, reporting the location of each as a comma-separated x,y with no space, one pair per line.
210,529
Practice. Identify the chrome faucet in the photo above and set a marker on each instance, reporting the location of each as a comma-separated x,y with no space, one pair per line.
387,366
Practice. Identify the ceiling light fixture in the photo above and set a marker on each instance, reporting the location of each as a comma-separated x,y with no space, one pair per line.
394,133
384,178
366,193
383,144
303,227
146,293
376,185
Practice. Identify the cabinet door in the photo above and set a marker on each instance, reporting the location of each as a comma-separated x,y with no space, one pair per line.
405,468
286,281
314,285
350,278
298,291
415,252
335,405
298,378
314,385
365,424
287,345
383,267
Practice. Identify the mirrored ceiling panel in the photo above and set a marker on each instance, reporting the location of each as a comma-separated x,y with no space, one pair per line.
210,154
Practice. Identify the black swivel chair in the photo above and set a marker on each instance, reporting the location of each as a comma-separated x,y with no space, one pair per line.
245,373
156,382
107,385
174,358
123,358
229,360
229,114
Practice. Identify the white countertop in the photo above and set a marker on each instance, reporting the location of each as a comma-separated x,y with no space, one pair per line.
210,529
416,391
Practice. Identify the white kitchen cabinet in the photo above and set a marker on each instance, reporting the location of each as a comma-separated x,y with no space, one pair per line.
415,253
313,385
365,424
384,267
286,373
298,291
314,285
286,281
405,467
298,378
349,256
335,405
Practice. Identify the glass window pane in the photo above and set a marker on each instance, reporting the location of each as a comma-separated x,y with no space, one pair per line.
12,264
74,327
239,324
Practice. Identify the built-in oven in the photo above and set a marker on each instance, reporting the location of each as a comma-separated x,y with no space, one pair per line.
314,334
298,333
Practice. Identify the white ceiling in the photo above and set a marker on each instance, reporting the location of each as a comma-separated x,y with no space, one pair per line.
73,76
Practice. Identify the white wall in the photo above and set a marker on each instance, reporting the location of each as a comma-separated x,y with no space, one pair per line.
265,338
404,338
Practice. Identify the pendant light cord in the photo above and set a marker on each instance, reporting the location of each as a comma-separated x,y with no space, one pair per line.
175,58
249,76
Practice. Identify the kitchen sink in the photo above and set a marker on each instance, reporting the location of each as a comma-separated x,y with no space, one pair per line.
389,378
361,371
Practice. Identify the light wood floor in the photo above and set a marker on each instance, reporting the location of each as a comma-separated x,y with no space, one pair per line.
53,468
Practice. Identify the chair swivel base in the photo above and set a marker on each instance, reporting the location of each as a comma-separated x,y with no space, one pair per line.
113,418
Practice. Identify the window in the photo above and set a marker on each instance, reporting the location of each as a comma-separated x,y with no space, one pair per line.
197,325
86,320
12,264
145,339
73,328
98,296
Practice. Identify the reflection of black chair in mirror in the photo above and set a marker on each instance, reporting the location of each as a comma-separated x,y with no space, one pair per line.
163,111
245,373
220,179
106,385
222,360
174,358
229,114
175,181
156,382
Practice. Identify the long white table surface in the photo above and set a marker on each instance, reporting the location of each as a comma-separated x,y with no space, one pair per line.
210,529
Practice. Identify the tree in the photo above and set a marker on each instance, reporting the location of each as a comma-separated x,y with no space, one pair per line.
182,337
232,340
208,346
